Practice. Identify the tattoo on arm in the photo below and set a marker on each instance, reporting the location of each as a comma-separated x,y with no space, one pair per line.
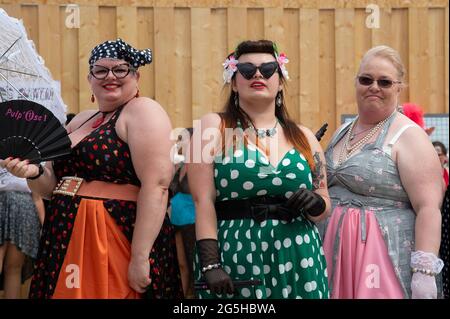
317,175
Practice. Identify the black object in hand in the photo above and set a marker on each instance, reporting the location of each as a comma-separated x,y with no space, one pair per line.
306,201
217,279
321,132
202,285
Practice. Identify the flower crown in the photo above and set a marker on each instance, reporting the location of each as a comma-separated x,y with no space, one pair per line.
230,65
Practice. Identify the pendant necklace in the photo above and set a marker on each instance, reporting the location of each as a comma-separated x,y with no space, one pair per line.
100,120
262,133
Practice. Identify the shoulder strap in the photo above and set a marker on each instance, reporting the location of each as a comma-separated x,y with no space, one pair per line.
381,137
388,148
116,114
340,133
90,118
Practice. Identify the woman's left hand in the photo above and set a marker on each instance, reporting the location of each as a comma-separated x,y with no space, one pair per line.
139,274
423,286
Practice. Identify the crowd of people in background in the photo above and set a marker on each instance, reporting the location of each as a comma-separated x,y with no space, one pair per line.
265,213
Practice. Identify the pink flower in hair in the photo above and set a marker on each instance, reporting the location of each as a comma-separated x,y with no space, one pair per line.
229,67
282,60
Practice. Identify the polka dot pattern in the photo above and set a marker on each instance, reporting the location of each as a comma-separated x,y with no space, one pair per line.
284,256
121,50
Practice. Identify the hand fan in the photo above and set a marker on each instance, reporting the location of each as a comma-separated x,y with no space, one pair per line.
30,131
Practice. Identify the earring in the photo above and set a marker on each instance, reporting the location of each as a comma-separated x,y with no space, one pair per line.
278,100
137,93
92,98
236,100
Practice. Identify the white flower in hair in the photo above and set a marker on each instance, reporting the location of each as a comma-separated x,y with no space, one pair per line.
282,60
229,67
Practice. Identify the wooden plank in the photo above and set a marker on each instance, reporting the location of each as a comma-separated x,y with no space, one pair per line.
164,57
292,87
437,60
446,35
400,42
345,66
87,39
201,63
107,21
12,9
183,88
327,73
382,35
146,40
127,24
237,27
50,38
309,69
273,25
419,57
322,4
70,86
30,21
255,24
362,37
219,51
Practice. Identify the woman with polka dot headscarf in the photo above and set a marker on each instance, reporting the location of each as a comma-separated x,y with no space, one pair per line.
258,193
106,233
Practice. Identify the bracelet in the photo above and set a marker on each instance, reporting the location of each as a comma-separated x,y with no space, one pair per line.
424,271
210,267
41,171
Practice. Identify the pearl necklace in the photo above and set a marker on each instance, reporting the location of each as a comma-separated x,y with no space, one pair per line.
348,150
359,133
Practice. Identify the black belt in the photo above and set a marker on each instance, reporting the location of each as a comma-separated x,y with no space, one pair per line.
258,208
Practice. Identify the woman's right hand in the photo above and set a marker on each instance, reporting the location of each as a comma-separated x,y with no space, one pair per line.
18,168
219,281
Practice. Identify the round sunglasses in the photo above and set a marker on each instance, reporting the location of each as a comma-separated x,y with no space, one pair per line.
120,71
382,83
248,70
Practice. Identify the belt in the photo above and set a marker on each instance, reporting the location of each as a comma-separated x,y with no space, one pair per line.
77,186
258,208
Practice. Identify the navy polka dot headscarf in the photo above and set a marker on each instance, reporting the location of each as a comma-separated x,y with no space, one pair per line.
121,50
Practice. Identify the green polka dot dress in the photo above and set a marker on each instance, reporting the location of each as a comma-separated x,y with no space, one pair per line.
288,258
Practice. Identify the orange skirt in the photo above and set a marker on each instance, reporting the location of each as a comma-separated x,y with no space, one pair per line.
96,262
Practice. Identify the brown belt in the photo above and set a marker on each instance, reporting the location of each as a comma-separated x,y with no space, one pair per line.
72,185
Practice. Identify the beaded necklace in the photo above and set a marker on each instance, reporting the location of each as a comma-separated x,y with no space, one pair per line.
348,150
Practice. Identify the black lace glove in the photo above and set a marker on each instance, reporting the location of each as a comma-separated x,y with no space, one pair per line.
217,279
306,201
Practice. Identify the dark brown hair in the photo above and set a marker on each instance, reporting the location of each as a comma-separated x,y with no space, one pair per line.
232,114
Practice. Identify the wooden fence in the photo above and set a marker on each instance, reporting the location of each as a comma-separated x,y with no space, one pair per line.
324,41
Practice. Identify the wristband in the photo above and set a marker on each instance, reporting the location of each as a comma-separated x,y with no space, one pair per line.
41,171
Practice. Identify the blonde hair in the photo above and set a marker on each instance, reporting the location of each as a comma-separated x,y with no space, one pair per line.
383,51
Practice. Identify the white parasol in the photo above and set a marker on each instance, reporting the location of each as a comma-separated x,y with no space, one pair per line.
23,74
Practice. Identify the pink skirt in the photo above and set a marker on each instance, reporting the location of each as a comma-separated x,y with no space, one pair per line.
362,270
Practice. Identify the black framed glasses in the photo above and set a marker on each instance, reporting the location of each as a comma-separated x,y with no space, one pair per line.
120,71
248,70
382,83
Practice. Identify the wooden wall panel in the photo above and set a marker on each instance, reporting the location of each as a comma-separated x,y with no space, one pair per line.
309,68
146,36
164,57
345,62
419,57
190,39
87,39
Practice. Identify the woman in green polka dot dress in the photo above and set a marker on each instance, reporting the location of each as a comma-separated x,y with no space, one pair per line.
284,164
